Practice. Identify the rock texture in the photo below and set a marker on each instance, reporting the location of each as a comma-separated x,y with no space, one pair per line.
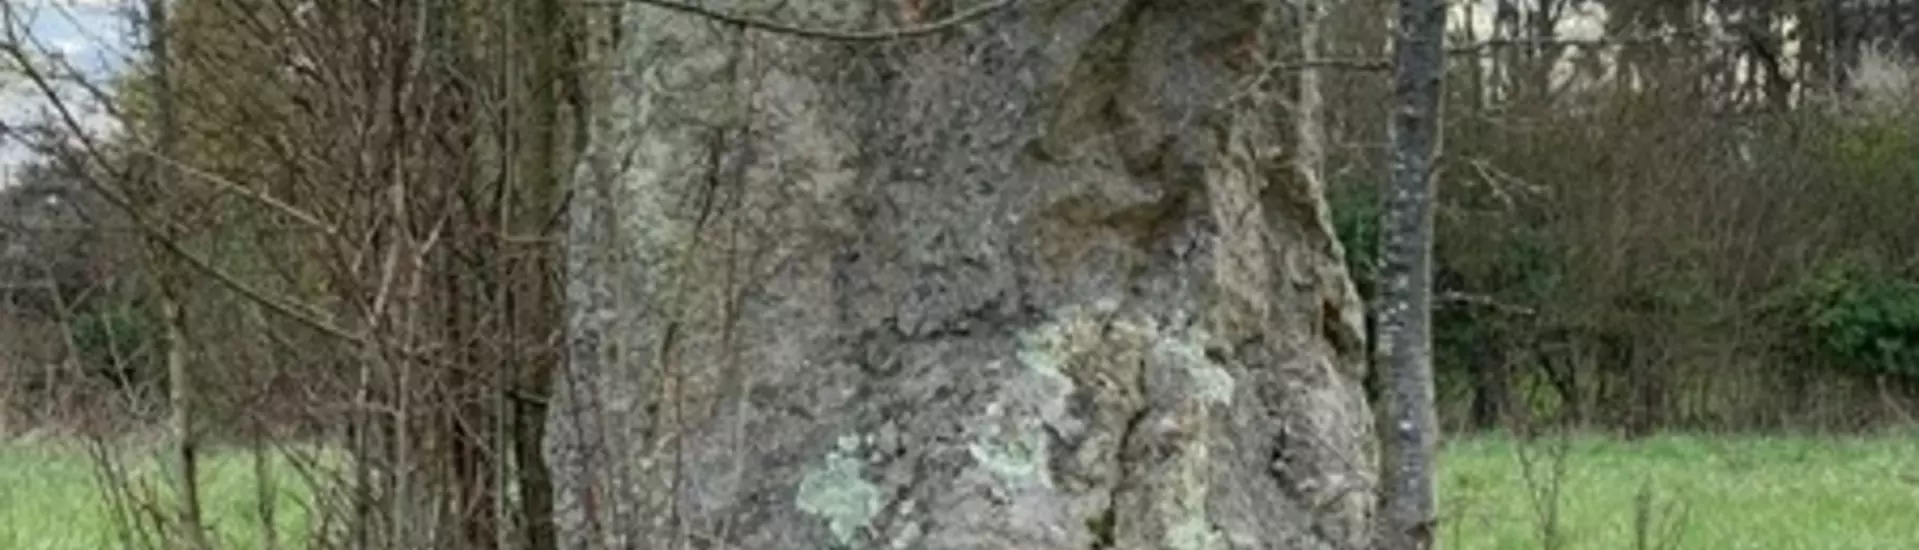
1034,282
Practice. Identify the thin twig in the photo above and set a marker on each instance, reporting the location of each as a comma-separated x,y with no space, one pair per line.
877,35
1487,302
237,189
1480,48
306,315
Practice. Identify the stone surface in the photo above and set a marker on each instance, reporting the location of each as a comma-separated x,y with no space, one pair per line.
1018,285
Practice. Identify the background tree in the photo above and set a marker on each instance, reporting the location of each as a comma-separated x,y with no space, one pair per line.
1404,333
1618,239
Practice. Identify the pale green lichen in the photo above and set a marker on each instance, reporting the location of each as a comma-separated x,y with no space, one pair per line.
1039,348
1022,456
1183,510
1090,348
908,535
1189,527
1211,381
849,443
1017,455
1193,532
839,494
1015,447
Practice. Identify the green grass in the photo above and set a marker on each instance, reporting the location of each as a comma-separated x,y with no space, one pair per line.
46,501
50,498
1706,493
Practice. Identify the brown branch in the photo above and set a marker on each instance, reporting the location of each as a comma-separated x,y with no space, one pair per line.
877,35
1488,302
237,189
306,315
1481,48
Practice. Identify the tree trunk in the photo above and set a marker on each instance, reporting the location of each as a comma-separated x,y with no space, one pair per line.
1492,389
181,397
1405,298
1019,284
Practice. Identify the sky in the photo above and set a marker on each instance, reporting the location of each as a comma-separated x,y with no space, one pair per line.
92,35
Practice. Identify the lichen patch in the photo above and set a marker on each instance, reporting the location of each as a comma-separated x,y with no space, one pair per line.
839,493
1210,381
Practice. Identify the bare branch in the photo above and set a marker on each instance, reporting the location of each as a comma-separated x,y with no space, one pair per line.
43,82
879,35
1488,302
1484,47
304,314
229,186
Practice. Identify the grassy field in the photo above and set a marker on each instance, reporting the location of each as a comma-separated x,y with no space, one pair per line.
1690,492
49,498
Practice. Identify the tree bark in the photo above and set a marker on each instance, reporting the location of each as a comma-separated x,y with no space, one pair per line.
1405,297
181,397
1019,284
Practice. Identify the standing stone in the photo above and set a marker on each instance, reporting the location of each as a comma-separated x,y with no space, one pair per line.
1019,284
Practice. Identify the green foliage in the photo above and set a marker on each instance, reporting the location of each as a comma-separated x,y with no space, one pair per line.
1481,252
1872,152
1596,271
1871,176
1860,310
1856,314
1355,207
119,341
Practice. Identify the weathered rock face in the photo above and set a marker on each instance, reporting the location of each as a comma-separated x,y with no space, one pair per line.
1019,285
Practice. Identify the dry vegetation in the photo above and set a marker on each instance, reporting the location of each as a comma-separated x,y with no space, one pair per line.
335,225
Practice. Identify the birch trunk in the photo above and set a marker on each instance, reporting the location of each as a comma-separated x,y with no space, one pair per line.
1022,283
1405,298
